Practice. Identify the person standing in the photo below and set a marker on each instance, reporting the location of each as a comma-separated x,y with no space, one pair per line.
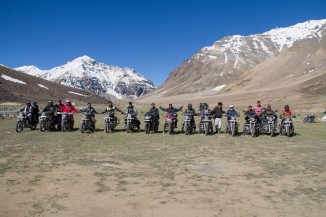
218,114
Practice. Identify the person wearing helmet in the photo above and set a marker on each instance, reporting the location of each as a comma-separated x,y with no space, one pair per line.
218,114
193,113
231,112
171,111
68,107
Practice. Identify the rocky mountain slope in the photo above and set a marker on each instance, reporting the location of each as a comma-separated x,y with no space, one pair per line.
19,87
88,74
229,58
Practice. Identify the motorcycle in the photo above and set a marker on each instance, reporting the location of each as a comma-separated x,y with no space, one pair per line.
25,121
169,123
188,126
150,123
46,122
130,122
67,121
309,118
286,127
206,125
87,123
251,126
269,125
110,121
232,126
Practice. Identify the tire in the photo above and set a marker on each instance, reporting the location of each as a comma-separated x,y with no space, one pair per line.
272,130
42,126
253,131
19,126
206,129
305,120
63,126
186,129
107,127
82,128
128,126
288,132
233,131
147,128
170,130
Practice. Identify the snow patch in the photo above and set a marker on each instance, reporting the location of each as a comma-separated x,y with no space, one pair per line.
43,86
289,76
77,93
218,88
12,79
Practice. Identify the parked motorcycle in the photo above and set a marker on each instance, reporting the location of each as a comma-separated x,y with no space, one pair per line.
150,123
46,122
309,118
188,126
25,121
130,122
232,126
87,123
251,126
67,121
110,121
169,123
206,124
269,125
286,127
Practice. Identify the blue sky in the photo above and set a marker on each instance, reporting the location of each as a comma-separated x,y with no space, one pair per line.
151,36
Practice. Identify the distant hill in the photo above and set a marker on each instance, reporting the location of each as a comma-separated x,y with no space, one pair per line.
18,87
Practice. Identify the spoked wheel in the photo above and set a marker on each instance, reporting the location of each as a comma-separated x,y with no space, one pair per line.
206,129
82,128
42,126
19,126
147,128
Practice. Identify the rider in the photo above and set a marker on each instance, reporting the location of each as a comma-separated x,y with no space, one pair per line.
111,108
90,110
287,111
218,113
59,106
251,112
204,111
34,113
268,111
155,113
132,110
193,113
231,112
26,109
171,111
68,107
50,108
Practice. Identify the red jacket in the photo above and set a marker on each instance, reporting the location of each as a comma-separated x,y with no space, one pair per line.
70,108
258,110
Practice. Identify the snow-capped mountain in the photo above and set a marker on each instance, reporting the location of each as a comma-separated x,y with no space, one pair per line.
231,56
88,74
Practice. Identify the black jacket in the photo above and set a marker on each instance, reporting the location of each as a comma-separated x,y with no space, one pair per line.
218,112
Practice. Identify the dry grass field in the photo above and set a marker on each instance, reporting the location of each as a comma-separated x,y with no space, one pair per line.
120,174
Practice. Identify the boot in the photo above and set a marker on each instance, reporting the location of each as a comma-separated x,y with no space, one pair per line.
216,129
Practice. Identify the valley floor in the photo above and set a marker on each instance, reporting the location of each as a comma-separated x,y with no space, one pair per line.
120,174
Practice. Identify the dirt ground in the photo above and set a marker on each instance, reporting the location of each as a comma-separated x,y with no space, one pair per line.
120,174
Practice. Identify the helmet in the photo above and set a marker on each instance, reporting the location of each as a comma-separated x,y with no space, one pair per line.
28,102
68,101
189,105
231,106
